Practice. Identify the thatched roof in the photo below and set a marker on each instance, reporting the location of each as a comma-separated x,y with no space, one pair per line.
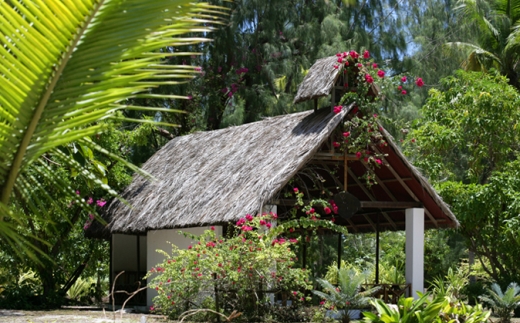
319,80
221,175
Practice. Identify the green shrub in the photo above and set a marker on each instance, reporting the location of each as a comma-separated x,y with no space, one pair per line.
503,303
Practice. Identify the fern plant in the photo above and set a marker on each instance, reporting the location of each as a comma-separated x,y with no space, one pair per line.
503,303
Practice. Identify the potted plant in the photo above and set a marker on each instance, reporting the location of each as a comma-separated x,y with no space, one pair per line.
347,299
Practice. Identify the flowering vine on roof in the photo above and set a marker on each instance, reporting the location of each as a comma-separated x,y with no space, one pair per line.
365,84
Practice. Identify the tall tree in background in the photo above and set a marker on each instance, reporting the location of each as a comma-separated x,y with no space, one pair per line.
497,24
468,143
255,65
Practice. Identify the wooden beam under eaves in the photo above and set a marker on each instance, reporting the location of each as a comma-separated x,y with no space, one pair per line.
389,205
364,204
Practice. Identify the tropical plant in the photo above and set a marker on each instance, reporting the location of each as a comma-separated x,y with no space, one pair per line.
65,69
348,294
496,23
503,303
452,284
426,310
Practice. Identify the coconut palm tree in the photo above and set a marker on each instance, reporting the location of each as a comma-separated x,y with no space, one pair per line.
497,27
68,66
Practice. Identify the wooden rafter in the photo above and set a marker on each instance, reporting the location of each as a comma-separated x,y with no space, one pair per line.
373,198
405,186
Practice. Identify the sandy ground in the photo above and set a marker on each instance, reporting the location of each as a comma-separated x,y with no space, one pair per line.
75,316
91,316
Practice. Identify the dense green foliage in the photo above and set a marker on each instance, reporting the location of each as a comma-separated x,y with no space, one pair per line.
467,142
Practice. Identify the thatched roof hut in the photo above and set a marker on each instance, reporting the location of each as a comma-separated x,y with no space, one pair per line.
219,176
320,80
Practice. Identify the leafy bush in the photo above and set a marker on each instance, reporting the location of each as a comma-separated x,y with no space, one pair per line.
241,273
503,303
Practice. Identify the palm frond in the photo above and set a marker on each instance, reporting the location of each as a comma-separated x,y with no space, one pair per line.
66,66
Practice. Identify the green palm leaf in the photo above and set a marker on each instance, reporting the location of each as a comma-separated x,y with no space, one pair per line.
66,66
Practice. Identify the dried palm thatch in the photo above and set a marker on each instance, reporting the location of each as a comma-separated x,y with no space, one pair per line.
320,80
219,176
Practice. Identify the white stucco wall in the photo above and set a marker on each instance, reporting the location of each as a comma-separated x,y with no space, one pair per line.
162,240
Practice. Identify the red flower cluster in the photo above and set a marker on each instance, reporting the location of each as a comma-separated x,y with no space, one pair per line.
337,109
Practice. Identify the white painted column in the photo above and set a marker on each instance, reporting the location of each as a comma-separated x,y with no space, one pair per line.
415,250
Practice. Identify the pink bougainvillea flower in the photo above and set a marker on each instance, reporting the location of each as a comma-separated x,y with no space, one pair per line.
249,217
335,209
262,222
419,82
273,215
246,228
340,60
358,154
381,73
241,221
336,144
322,302
403,92
295,190
293,240
337,109
90,200
101,203
399,87
327,210
354,54
189,247
374,65
378,161
346,134
295,293
212,228
403,79
268,225
359,65
77,192
369,79
366,54
336,66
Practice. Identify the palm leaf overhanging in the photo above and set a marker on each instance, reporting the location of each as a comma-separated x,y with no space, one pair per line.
66,66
